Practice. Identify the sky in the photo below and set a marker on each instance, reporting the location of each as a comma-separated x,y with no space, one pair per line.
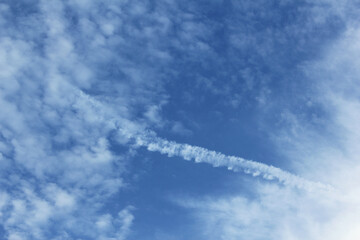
178,120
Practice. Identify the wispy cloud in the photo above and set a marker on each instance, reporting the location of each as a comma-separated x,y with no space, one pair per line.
73,73
329,152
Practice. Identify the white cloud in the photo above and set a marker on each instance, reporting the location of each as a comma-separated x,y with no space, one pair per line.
57,167
60,198
118,226
68,83
329,153
179,128
275,213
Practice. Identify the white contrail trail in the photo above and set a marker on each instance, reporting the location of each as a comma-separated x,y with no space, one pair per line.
199,154
131,130
142,137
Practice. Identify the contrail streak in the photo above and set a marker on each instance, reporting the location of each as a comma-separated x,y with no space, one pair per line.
216,159
142,137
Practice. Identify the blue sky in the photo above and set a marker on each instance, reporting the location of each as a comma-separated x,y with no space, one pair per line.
174,120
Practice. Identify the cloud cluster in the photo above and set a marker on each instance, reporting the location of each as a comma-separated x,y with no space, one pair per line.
63,82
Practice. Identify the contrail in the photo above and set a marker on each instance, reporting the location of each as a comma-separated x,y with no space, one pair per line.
142,137
216,159
132,131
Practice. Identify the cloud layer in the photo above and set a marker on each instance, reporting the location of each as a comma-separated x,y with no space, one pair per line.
83,84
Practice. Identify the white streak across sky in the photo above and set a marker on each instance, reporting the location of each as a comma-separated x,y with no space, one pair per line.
153,143
233,163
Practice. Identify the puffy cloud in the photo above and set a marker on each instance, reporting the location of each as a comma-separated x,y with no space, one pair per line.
64,90
118,226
